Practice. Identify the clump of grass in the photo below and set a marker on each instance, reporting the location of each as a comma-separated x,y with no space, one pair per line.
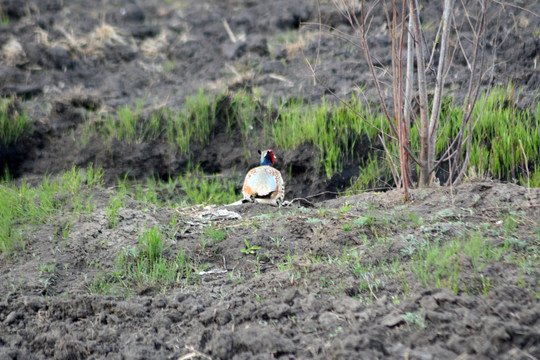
333,130
439,265
496,150
217,235
200,188
194,124
147,265
130,126
193,187
23,206
13,122
242,112
4,20
115,203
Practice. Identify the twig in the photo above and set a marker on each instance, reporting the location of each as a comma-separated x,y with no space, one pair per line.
526,167
229,31
390,161
504,3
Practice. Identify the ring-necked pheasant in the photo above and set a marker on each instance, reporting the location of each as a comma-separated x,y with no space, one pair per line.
264,183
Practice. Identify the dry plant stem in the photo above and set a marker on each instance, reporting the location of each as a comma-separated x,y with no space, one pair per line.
409,78
400,116
422,93
526,165
393,167
472,95
437,100
360,28
409,83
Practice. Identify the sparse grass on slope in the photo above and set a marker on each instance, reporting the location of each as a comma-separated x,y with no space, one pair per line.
13,122
23,206
146,265
496,150
505,145
193,187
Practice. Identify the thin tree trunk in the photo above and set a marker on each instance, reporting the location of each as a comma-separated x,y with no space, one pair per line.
437,99
409,83
423,179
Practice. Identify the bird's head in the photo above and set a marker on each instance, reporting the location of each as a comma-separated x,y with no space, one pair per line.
267,157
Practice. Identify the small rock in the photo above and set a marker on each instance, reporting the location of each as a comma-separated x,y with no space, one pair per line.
62,59
12,317
233,50
428,303
392,320
444,295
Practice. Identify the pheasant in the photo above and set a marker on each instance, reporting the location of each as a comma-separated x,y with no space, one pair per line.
264,183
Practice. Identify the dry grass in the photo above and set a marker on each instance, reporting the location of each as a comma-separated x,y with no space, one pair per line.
92,44
13,53
154,48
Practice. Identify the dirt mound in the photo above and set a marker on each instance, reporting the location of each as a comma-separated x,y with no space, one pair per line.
341,280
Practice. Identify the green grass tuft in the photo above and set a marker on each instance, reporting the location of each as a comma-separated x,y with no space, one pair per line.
439,265
146,265
194,124
13,122
23,206
335,131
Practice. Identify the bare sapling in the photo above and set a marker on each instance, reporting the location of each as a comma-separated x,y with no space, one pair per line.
418,73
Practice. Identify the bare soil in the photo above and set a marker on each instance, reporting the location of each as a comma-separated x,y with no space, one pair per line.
292,298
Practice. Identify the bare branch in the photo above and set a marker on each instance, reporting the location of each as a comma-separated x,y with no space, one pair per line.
504,3
441,69
422,93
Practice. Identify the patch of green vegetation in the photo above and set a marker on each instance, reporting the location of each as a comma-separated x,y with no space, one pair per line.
129,125
243,112
190,188
13,122
249,249
333,130
439,265
500,127
23,206
415,319
194,124
199,188
496,149
277,241
336,131
367,220
4,20
212,232
116,202
146,265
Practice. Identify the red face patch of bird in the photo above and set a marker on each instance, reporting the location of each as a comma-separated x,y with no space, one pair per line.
267,157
